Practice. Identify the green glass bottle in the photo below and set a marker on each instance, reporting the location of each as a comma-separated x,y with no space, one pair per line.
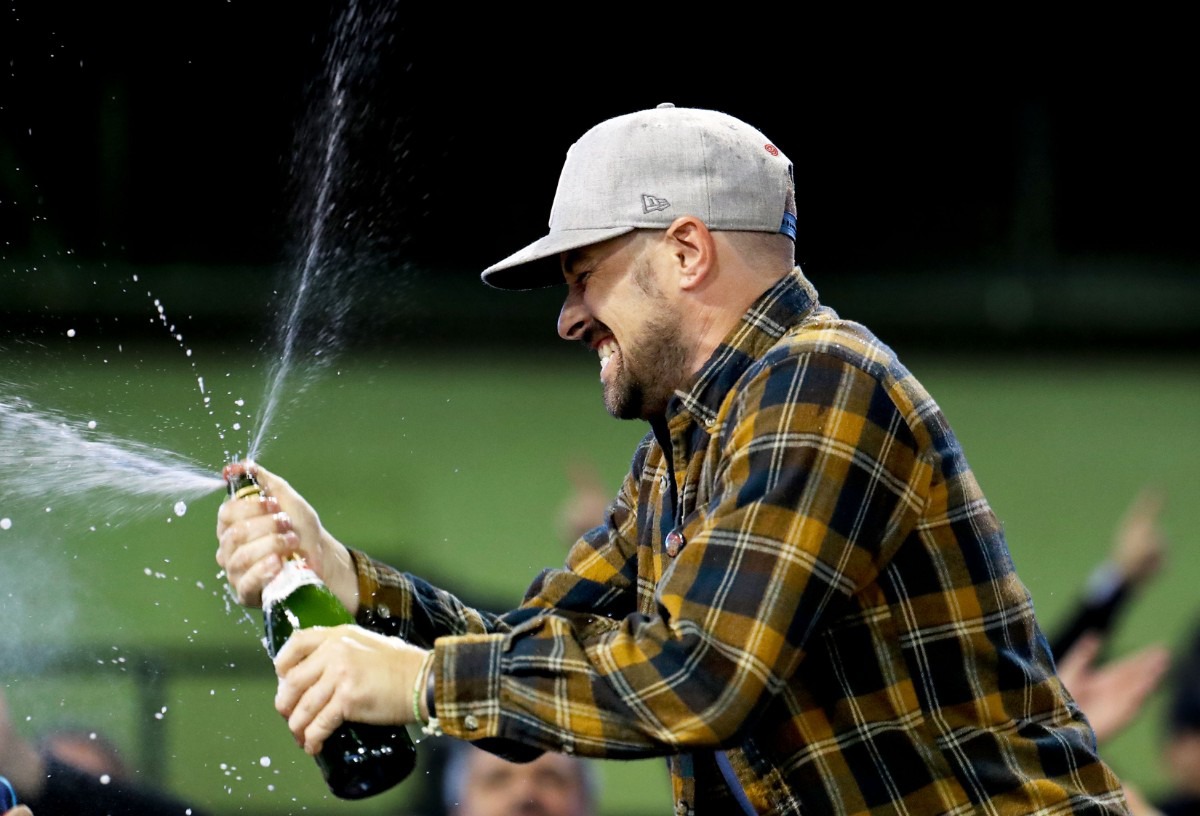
357,760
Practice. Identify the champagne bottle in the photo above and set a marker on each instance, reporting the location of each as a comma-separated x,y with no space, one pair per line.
358,759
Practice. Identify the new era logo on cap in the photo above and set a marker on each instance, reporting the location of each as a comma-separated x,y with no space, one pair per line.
701,163
653,203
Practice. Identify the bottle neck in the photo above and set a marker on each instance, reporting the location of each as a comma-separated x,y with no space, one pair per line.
295,574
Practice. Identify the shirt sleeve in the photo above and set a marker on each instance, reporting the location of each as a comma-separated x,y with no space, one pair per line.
817,480
597,586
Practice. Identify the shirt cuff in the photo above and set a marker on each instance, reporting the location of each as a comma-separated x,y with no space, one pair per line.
465,683
1104,582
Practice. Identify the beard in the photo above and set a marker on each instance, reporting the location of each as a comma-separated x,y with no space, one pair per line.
651,366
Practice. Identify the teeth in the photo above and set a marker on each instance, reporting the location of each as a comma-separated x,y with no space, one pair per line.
607,350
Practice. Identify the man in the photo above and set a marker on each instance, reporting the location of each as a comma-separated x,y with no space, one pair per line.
50,784
87,750
799,595
478,783
1180,750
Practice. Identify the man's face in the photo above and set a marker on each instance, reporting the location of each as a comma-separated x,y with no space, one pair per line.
551,785
617,305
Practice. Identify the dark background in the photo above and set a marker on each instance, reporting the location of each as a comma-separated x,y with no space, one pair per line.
1003,183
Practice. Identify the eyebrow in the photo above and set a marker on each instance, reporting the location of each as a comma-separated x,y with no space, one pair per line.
571,259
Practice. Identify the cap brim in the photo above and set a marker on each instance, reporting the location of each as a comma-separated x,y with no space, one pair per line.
531,267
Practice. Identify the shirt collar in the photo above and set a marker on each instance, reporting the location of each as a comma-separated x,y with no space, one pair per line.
775,311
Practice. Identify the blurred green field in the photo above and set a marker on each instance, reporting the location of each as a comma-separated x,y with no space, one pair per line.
454,466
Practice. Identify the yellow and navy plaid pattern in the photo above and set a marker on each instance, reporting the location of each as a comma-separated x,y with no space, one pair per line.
841,617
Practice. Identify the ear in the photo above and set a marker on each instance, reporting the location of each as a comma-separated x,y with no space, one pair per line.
693,250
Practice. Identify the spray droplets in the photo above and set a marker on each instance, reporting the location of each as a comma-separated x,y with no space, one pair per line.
180,508
5,524
70,332
117,475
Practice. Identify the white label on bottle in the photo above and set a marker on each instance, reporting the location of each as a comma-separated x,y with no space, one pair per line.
295,574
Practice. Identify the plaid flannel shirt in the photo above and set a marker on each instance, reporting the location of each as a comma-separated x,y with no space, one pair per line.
838,617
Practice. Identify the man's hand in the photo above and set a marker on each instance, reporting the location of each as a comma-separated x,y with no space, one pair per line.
331,675
1140,543
255,535
1111,695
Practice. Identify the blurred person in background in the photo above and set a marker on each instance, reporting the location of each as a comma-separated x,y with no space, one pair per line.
800,595
1112,693
54,787
8,800
1181,740
85,749
1138,552
478,783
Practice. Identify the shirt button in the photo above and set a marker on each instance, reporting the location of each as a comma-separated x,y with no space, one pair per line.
675,543
470,722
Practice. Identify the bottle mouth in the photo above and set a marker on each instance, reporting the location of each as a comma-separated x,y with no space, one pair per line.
242,485
244,491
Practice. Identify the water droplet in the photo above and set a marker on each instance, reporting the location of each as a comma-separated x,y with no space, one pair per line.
180,508
237,426
92,424
105,779
265,761
5,523
70,332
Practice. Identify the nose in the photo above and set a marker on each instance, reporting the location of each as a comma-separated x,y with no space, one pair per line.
574,317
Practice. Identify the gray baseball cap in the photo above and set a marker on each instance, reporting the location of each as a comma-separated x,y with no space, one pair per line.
642,171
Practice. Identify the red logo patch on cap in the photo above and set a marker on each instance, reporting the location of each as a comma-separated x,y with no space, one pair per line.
772,149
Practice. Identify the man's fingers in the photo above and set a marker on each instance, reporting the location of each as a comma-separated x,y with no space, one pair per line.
319,729
308,683
309,718
1144,669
